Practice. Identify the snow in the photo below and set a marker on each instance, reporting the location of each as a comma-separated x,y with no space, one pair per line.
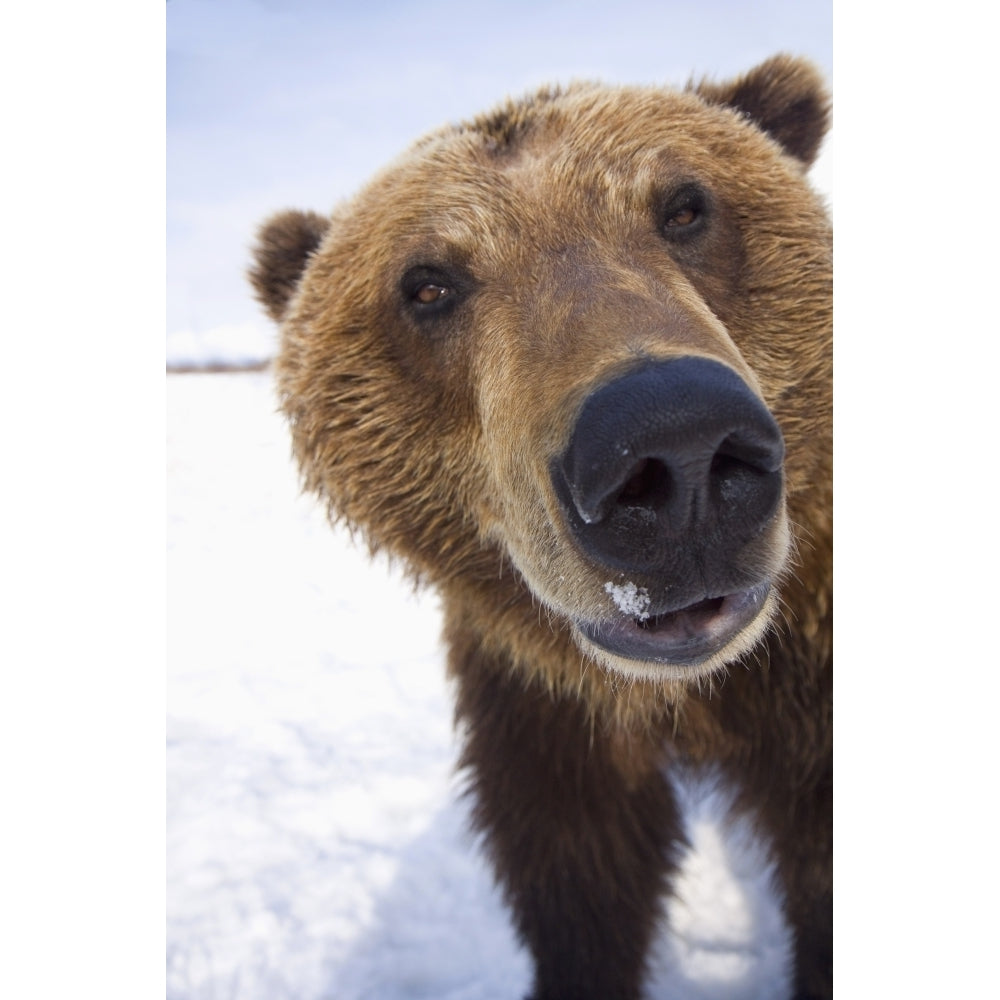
629,599
318,843
236,344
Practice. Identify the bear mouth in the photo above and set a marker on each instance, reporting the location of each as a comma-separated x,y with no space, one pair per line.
686,636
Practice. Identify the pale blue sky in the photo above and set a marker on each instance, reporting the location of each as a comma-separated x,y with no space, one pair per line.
295,103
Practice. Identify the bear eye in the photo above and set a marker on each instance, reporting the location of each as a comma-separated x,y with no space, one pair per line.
684,212
429,292
685,217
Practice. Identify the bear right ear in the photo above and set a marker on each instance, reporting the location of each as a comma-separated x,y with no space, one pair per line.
784,96
284,245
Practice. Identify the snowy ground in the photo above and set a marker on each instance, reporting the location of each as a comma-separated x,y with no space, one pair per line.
317,844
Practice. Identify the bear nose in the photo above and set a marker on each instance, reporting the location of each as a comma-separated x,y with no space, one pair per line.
679,454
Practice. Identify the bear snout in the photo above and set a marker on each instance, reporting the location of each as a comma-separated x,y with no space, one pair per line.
670,471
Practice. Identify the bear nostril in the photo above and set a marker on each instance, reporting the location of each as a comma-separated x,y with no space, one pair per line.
737,468
763,455
647,485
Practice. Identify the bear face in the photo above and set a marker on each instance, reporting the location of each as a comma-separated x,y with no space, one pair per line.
455,318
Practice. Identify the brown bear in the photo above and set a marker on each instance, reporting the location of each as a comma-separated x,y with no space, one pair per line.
571,361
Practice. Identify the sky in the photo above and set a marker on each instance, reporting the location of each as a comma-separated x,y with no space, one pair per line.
295,104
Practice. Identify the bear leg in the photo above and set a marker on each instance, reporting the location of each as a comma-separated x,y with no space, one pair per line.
583,841
805,870
795,811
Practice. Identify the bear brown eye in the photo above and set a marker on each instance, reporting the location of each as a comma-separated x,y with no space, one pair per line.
430,293
685,217
684,212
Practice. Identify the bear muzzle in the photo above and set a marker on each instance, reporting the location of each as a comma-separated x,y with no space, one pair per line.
672,477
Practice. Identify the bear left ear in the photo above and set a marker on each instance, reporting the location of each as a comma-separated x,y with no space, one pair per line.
784,96
284,244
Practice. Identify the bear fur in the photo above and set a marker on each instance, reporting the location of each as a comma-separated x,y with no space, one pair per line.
571,362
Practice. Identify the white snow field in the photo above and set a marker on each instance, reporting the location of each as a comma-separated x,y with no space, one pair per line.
318,844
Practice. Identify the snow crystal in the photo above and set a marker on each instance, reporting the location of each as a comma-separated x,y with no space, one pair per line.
630,599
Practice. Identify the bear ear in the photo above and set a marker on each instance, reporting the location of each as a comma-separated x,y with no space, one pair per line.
284,245
784,96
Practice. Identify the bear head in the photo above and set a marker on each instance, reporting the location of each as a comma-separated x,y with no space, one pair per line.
575,355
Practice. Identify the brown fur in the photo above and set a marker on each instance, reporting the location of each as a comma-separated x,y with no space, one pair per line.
283,246
432,429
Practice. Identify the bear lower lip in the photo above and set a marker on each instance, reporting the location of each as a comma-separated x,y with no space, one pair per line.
685,637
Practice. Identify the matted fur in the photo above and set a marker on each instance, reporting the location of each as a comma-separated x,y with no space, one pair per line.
432,430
